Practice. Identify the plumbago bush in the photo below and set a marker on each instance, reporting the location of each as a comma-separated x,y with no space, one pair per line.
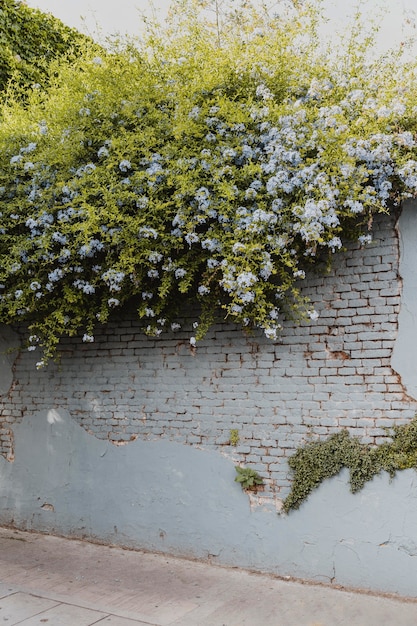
196,169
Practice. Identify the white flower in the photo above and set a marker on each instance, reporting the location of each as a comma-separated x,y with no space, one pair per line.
246,279
271,333
334,244
148,233
405,139
356,95
102,152
43,128
194,113
210,244
55,275
191,238
154,257
247,296
125,165
299,274
364,239
113,278
263,92
354,206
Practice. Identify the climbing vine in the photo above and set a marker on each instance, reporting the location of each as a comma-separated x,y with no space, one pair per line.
29,40
197,169
319,460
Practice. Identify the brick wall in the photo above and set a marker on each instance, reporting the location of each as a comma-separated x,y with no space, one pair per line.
320,377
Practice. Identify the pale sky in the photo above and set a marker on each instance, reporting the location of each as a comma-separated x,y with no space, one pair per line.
124,16
110,16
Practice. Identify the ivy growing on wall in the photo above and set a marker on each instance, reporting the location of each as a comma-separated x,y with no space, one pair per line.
29,40
319,460
197,169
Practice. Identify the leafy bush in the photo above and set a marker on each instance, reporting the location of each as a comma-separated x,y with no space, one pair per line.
29,40
186,171
318,460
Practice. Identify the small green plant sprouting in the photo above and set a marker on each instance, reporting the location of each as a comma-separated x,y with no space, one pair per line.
248,478
318,460
234,437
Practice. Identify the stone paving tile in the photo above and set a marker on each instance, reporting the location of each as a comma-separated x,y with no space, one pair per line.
20,606
127,588
327,607
64,615
113,620
5,590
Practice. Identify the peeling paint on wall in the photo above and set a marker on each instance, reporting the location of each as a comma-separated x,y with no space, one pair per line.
333,373
169,497
168,483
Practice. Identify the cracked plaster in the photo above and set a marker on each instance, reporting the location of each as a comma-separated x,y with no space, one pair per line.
169,497
139,496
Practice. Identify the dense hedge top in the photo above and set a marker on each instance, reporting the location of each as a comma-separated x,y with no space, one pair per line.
196,168
29,39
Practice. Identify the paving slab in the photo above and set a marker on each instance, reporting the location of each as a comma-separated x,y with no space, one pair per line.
41,574
113,620
5,590
19,606
65,615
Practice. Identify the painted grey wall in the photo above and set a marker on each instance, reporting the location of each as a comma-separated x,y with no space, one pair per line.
169,497
319,377
127,440
404,357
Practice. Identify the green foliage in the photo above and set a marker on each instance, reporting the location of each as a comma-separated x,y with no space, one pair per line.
211,166
248,478
319,460
234,437
29,40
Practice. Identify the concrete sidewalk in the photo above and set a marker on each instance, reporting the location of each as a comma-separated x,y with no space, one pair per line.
61,582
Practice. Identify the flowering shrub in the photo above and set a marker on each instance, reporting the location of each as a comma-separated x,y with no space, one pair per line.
188,171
